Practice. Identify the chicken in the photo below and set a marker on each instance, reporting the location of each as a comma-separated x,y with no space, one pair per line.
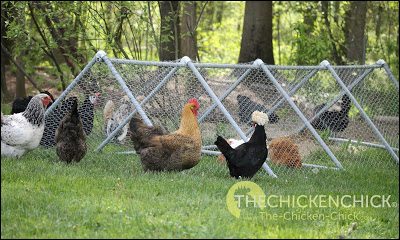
247,158
247,106
334,120
117,118
161,151
283,151
108,110
70,136
86,112
21,132
19,104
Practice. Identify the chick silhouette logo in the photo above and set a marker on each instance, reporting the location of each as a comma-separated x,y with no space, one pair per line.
253,194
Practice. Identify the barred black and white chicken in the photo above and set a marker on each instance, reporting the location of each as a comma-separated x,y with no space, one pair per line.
19,104
21,132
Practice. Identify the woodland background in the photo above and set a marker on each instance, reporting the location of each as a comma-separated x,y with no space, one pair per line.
46,44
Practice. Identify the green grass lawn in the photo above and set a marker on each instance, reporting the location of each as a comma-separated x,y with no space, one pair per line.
110,196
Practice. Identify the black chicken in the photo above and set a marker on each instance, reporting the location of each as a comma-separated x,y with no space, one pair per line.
335,121
247,106
70,137
246,159
20,103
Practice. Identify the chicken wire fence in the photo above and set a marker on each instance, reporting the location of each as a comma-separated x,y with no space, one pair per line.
320,117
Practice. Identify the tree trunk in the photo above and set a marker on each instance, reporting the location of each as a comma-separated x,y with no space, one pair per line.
187,30
169,35
20,79
209,15
336,48
378,21
66,47
5,93
20,76
257,32
220,11
355,31
397,52
310,16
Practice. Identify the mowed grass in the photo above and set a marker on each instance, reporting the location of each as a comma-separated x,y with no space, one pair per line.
109,196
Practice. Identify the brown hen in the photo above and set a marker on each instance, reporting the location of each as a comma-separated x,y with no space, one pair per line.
161,151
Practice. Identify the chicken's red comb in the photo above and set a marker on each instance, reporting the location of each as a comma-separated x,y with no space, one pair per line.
194,101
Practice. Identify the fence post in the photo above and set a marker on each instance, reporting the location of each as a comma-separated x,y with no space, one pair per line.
389,73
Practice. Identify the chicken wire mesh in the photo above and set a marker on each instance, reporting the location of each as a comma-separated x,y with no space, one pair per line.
289,150
162,89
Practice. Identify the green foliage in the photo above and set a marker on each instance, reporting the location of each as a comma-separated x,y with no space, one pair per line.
310,48
132,29
220,41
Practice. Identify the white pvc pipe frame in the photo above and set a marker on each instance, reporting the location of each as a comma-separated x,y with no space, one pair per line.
258,64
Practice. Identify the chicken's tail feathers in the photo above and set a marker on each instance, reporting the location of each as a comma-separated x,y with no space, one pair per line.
134,124
141,134
74,111
223,145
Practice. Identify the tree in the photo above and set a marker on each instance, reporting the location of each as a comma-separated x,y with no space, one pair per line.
5,94
355,31
63,29
187,30
20,90
169,32
257,32
336,46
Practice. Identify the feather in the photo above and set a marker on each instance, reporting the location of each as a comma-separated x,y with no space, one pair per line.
108,110
70,137
22,131
161,150
116,119
259,117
